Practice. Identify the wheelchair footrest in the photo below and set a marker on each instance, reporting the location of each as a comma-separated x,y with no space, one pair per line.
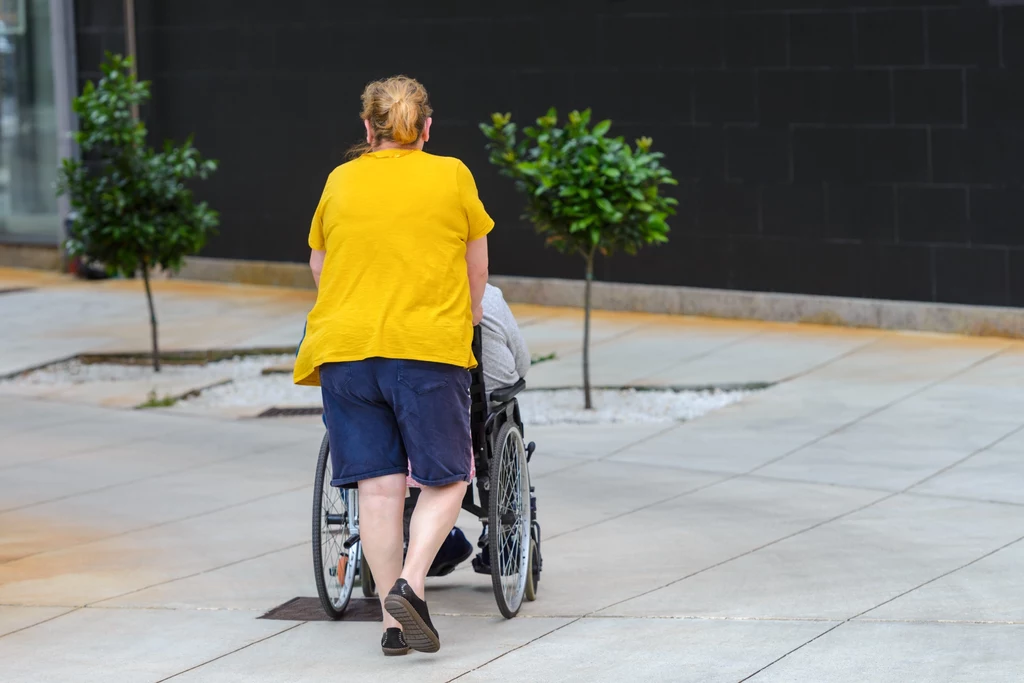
480,566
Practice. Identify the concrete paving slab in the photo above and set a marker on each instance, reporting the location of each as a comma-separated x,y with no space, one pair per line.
591,442
68,438
15,617
112,316
996,475
628,649
890,469
893,430
562,332
32,483
256,585
591,492
912,358
640,356
672,539
310,653
771,356
896,653
98,570
991,589
18,415
842,568
711,445
106,645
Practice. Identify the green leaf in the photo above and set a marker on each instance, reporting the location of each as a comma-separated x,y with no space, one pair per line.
601,128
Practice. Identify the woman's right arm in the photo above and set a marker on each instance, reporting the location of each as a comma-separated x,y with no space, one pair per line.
316,264
476,268
317,241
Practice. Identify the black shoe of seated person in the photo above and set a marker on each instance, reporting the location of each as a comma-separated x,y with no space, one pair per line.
393,643
410,611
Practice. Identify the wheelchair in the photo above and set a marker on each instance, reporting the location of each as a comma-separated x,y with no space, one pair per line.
504,500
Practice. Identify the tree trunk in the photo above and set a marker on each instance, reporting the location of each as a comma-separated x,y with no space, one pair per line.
587,402
152,317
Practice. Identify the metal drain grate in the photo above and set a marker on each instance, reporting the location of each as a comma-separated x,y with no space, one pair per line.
309,609
291,412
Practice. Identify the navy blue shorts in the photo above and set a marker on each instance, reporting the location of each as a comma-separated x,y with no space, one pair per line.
385,415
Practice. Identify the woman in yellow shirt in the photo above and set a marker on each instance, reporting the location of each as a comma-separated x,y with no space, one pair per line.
399,254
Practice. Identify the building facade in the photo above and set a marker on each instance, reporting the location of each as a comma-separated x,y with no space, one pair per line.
860,148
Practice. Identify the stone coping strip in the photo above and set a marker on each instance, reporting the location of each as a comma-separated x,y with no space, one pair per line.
989,321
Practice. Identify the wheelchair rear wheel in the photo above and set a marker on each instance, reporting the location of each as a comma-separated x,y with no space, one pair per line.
509,520
336,549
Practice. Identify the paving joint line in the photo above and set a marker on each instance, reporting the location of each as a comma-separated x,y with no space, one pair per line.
792,480
876,411
881,604
842,356
38,623
750,473
778,540
1004,437
779,659
586,461
193,575
702,354
238,649
940,577
508,652
574,352
86,451
816,440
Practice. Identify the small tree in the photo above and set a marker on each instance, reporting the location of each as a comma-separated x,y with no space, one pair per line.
587,193
133,211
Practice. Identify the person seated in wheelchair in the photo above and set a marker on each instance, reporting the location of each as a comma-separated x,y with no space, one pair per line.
505,360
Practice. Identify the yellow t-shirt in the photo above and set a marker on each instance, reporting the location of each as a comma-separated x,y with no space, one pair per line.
395,224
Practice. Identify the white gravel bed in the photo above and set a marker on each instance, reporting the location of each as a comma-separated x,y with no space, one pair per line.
538,407
626,405
260,391
75,372
250,388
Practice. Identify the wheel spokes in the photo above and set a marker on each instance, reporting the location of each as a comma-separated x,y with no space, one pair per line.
511,524
332,540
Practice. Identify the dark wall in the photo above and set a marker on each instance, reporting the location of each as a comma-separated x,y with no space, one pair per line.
859,148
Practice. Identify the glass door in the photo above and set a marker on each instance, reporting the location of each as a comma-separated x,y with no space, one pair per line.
28,124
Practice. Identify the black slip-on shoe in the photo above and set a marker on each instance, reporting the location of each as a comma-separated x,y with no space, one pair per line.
411,612
393,643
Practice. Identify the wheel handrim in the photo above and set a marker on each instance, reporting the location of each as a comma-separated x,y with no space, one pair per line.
513,527
337,503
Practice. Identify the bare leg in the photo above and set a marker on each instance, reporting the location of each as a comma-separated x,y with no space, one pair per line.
435,514
381,504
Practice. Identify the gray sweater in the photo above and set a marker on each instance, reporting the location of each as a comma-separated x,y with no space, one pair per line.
505,356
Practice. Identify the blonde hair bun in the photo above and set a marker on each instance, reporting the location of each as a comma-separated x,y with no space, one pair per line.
397,109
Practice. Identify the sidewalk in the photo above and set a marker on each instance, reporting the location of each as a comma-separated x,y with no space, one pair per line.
862,520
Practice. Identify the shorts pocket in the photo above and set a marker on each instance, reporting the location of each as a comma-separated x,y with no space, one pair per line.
335,377
424,378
